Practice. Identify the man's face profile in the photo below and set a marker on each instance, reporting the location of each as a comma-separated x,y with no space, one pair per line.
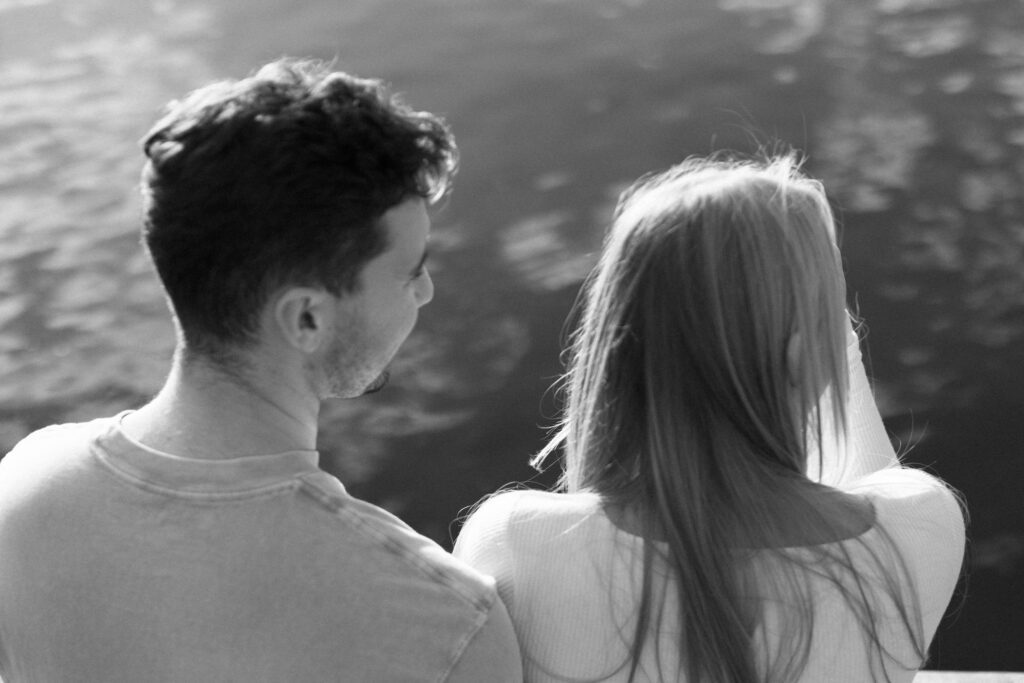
373,321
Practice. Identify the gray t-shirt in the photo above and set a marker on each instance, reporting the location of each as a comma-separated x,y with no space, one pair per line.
121,563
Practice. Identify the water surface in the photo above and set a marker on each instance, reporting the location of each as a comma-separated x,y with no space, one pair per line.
912,111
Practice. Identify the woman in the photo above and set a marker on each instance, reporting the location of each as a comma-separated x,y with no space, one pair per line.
733,511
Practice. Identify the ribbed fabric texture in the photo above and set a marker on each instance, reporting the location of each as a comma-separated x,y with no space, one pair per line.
571,579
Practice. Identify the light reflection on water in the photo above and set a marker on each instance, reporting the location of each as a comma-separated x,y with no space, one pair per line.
912,112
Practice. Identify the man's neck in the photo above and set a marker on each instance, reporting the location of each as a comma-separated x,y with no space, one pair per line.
206,412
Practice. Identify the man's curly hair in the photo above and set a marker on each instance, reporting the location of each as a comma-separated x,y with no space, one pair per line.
279,178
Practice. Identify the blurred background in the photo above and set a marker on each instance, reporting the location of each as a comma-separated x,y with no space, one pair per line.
912,111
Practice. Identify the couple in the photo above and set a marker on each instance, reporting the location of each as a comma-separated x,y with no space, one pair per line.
733,510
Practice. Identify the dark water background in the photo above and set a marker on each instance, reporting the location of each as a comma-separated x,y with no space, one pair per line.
912,111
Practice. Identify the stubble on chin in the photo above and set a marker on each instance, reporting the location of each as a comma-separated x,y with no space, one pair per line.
345,379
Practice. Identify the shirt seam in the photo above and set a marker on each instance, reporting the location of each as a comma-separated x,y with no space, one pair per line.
462,645
481,601
127,478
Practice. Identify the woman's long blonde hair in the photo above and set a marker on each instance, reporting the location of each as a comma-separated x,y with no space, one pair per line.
682,405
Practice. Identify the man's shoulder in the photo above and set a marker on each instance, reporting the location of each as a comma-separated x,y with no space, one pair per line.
40,472
396,548
54,444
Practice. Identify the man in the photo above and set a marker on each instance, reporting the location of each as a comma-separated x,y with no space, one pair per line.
195,539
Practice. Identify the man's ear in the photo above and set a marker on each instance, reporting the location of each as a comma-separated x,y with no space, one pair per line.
303,316
794,349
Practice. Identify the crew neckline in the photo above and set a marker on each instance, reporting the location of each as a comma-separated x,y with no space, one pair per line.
154,469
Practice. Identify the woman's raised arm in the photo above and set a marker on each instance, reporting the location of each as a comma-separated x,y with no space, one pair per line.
867,448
